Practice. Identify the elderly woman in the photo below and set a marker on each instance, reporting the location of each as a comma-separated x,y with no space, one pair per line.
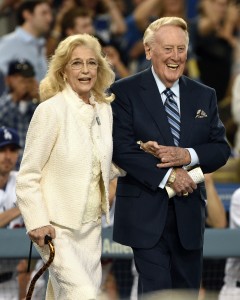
63,182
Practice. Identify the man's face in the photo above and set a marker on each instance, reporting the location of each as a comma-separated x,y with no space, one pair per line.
41,19
83,25
168,53
23,88
8,159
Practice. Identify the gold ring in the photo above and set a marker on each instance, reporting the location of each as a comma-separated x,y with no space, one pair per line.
185,194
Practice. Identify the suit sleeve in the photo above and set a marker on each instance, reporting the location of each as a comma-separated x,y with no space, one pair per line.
215,153
41,137
126,152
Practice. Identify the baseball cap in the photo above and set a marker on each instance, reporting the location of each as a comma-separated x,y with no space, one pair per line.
22,67
9,136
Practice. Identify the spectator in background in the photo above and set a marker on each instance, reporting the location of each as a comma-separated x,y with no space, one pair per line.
9,213
215,218
130,42
231,287
19,102
28,40
76,20
143,13
2,84
79,20
215,212
8,15
213,40
114,57
108,18
59,10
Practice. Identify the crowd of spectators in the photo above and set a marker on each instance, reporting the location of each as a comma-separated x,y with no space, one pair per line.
31,30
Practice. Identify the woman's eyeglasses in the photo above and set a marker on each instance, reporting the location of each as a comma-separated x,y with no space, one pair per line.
79,64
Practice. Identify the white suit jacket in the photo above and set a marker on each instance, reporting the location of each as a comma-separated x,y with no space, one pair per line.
52,184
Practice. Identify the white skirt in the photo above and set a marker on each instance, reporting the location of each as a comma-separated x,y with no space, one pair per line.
76,269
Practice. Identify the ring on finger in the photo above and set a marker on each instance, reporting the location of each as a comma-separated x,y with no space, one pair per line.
185,194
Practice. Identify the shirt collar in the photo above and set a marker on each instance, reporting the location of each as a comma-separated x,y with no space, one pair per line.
161,86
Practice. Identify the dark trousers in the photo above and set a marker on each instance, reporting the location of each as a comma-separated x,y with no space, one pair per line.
168,265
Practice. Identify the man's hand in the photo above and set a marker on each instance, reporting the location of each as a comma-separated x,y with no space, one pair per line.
172,156
38,235
183,183
168,155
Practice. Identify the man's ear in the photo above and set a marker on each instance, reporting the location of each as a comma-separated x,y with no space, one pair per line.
147,52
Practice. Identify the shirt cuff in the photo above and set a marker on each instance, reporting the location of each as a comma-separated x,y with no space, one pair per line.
194,158
165,179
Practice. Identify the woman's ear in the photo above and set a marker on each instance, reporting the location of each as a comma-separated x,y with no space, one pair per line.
64,77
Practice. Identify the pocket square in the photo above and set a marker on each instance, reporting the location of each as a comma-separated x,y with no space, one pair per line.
201,114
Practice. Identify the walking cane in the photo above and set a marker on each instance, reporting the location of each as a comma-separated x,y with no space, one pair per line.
47,240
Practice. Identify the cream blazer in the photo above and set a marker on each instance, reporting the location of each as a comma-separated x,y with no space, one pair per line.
55,173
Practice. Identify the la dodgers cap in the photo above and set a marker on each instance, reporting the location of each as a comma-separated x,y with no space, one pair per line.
22,67
9,136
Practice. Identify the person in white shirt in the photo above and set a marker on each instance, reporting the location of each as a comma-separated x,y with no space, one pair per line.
231,287
28,40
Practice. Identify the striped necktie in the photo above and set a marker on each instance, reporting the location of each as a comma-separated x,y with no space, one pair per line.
173,115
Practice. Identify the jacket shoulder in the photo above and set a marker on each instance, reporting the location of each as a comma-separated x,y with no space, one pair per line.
195,84
132,80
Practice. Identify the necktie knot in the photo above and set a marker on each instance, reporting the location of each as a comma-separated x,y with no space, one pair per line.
169,93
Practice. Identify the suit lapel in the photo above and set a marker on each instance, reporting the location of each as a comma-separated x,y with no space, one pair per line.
153,103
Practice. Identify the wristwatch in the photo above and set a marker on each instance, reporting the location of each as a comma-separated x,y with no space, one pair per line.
171,178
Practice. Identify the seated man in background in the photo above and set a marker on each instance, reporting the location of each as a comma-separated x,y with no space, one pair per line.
20,100
9,213
13,273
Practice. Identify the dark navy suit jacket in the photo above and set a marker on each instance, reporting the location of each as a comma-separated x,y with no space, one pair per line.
138,114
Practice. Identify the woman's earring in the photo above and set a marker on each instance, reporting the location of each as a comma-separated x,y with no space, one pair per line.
64,78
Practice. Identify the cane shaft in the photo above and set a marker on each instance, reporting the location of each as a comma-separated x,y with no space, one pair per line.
41,271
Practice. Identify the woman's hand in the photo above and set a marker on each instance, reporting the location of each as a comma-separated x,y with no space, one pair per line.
150,147
38,235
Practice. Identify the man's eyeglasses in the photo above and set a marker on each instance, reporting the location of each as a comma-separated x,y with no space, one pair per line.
79,64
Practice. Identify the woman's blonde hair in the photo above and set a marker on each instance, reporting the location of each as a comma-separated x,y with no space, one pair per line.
148,37
54,81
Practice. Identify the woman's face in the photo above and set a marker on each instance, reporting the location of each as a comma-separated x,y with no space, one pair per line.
81,71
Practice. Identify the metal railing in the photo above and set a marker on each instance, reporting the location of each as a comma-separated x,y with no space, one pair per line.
218,243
